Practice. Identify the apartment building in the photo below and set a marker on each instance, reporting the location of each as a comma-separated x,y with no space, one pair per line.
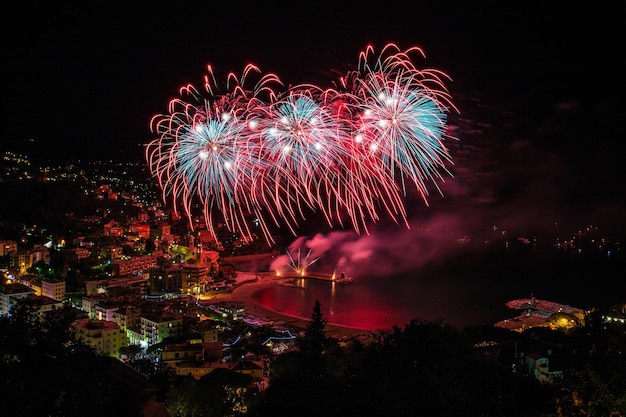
104,336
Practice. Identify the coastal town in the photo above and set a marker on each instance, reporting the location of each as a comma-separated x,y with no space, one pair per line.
125,242
140,285
335,209
134,277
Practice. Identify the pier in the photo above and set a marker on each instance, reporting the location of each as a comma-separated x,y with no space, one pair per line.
342,279
536,313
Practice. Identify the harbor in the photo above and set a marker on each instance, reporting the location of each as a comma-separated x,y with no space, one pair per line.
291,279
538,313
241,302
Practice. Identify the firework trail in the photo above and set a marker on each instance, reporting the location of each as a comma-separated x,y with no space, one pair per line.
402,115
298,264
205,151
349,152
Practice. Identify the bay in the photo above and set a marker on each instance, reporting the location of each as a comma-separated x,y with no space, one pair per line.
465,294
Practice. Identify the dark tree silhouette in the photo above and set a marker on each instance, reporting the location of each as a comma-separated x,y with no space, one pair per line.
425,369
38,354
303,380
219,393
150,245
315,341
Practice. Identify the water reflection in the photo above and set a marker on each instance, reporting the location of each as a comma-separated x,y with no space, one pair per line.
375,304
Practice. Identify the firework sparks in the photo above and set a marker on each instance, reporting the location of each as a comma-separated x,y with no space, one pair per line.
298,264
349,152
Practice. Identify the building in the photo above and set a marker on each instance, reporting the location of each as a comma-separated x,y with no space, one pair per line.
206,330
111,252
165,280
156,327
184,307
105,311
126,317
26,259
7,247
89,303
142,231
541,313
192,350
185,278
42,303
48,287
104,336
539,366
113,229
198,369
10,293
79,253
32,281
195,278
249,367
131,284
53,288
136,265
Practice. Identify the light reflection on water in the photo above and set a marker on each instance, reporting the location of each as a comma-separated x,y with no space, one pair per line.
379,304
466,295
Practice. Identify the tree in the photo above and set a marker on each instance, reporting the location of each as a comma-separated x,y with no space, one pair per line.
131,351
220,393
5,261
128,250
315,341
160,374
429,368
150,245
587,392
303,379
39,354
425,369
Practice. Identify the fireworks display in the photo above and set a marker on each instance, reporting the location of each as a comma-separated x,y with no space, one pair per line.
254,152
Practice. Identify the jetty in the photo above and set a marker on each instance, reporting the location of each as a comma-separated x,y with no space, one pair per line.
341,279
536,313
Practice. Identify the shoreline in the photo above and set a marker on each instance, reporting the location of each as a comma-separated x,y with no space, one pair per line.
243,293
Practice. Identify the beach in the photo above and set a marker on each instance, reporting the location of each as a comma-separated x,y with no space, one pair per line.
248,285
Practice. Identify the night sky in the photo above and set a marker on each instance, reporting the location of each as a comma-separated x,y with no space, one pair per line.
83,81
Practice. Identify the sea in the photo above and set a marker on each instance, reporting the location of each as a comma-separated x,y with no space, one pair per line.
467,292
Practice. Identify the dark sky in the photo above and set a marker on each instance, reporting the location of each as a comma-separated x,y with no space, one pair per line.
84,80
